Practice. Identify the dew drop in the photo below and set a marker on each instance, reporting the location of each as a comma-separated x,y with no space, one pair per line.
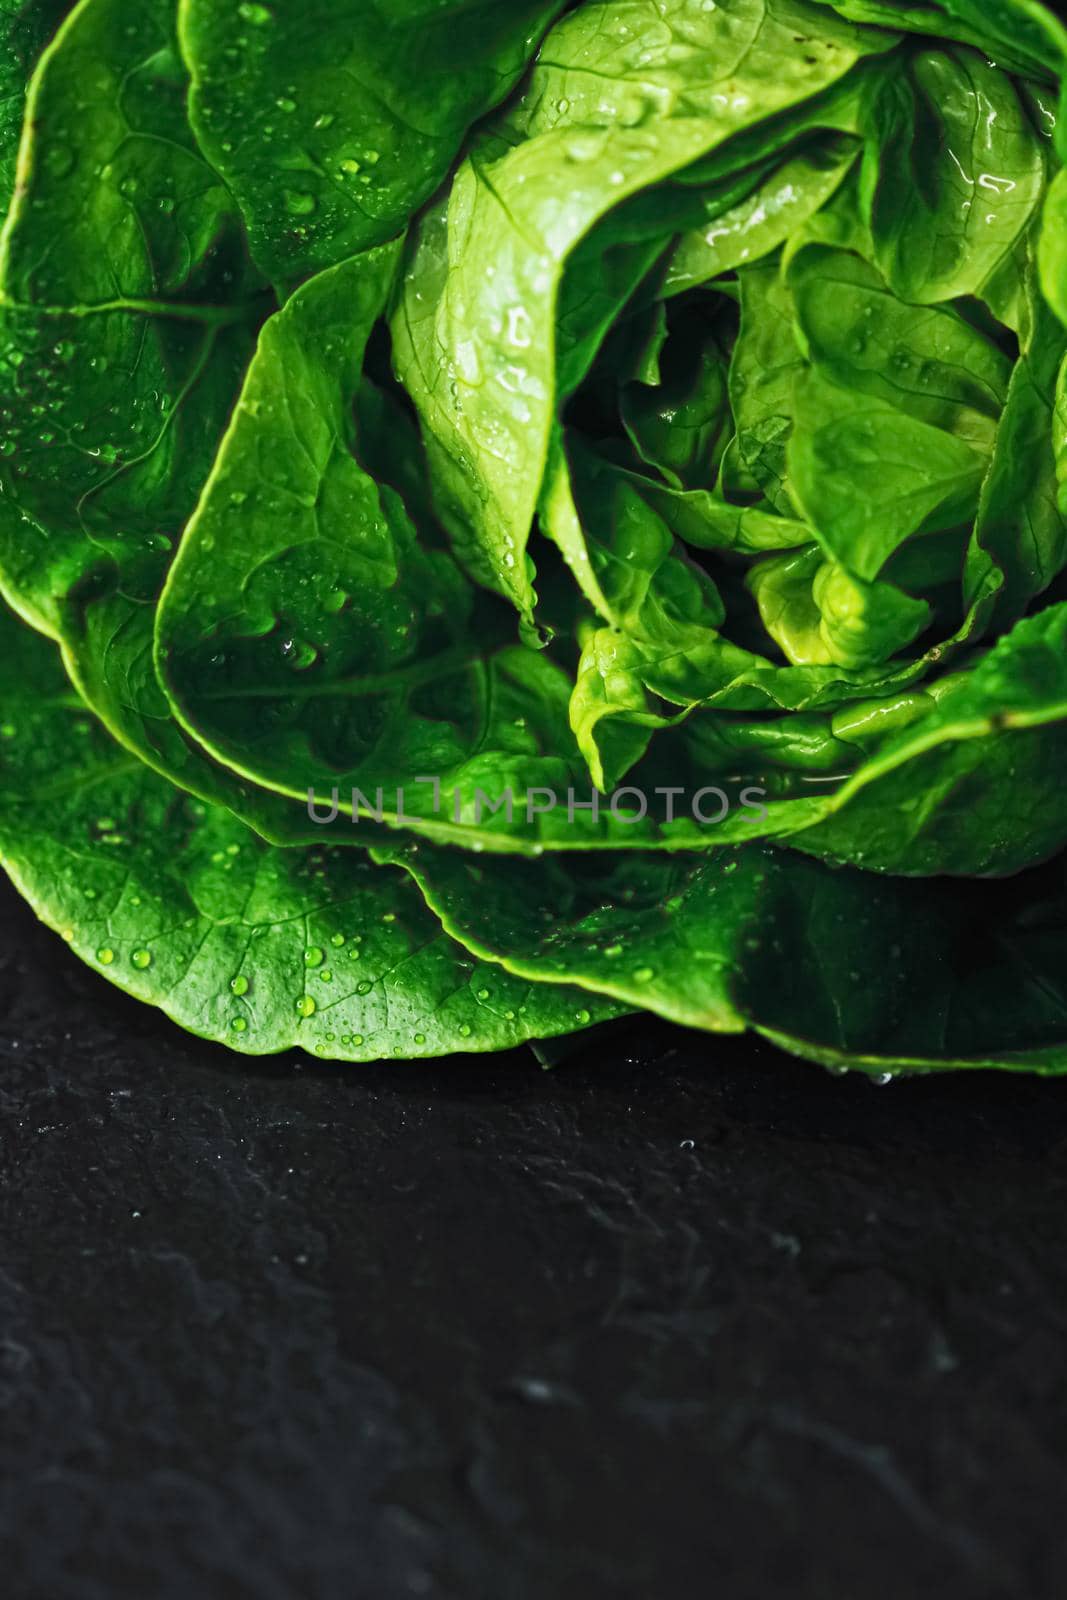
105,956
141,959
313,956
239,985
299,203
520,328
239,1025
59,160
306,1006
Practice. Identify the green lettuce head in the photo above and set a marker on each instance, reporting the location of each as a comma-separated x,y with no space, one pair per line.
514,514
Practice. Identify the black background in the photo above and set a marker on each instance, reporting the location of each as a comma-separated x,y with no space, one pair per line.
679,1317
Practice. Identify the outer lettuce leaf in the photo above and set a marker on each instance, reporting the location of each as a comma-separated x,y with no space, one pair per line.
345,115
753,939
260,948
25,28
114,400
115,203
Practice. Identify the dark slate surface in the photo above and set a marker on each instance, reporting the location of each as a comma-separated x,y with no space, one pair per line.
680,1318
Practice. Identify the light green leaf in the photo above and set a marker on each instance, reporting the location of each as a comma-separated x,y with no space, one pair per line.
619,100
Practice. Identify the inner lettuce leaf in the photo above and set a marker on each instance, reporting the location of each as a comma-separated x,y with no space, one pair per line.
516,515
621,98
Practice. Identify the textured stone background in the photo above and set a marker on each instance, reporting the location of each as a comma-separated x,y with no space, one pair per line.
678,1318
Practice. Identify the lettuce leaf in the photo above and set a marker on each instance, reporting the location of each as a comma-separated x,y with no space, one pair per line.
514,515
